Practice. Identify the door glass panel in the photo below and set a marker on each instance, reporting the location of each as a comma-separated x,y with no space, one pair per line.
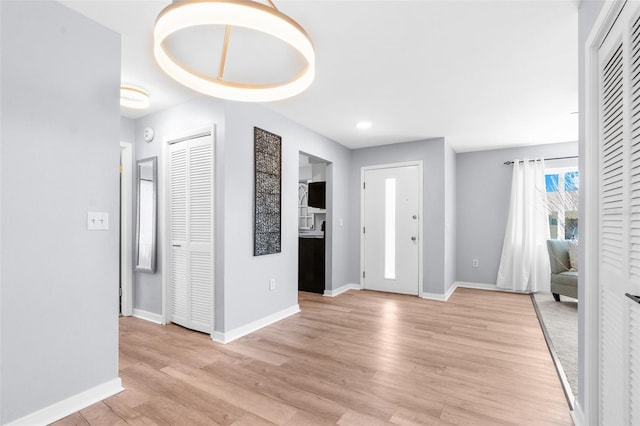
390,229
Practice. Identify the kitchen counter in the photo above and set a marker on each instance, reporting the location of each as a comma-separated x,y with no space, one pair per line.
311,234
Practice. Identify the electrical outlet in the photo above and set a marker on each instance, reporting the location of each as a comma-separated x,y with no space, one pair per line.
475,263
272,284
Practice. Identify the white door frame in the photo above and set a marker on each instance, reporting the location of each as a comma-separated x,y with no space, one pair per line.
126,227
164,240
588,306
364,169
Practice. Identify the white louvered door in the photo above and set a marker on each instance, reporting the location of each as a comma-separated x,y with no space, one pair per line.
190,285
633,309
619,239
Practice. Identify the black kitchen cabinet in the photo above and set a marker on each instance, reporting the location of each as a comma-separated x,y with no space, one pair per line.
311,265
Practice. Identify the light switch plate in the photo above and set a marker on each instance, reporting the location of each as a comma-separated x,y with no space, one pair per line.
97,221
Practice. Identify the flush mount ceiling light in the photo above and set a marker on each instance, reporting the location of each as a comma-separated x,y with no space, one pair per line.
363,125
133,97
229,13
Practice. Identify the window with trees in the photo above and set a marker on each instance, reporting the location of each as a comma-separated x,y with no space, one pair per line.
562,200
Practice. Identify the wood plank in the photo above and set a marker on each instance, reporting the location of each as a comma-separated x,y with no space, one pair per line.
74,419
354,418
360,358
233,394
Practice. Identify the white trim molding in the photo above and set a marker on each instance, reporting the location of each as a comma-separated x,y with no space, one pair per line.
149,316
438,296
236,333
458,284
444,297
577,415
70,405
479,286
490,287
342,289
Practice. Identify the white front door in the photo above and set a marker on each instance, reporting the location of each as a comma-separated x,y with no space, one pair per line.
190,290
391,237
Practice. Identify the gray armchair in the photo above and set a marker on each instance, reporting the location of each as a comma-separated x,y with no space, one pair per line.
563,280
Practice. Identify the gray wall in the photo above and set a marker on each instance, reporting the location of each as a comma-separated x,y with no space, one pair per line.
587,14
247,292
484,189
450,217
60,75
242,291
127,130
431,152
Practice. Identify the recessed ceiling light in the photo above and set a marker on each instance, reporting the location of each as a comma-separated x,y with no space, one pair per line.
134,97
363,125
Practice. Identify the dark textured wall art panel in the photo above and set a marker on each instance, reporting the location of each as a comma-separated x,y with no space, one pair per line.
268,185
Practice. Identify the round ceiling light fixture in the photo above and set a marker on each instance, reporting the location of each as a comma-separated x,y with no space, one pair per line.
229,13
363,125
134,97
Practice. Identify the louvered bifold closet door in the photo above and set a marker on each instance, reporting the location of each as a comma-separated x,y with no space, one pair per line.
191,230
634,226
178,292
201,234
619,235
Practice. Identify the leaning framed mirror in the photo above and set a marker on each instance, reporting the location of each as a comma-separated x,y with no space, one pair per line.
147,190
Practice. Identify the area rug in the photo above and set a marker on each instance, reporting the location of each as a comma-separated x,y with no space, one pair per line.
561,321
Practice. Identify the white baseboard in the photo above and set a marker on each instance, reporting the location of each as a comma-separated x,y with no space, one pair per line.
148,316
438,296
577,415
59,410
491,287
458,284
340,290
432,296
236,333
480,286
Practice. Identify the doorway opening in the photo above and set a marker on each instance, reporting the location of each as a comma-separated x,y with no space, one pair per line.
314,217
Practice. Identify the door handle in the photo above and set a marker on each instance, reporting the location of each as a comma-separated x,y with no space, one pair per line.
413,238
176,245
632,297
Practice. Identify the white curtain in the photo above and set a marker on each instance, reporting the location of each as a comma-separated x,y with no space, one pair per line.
524,265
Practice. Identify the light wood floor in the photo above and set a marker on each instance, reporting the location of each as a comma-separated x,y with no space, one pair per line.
362,358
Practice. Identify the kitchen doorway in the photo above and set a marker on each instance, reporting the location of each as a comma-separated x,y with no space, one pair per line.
314,236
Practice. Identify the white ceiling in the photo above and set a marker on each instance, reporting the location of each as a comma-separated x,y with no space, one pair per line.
482,74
